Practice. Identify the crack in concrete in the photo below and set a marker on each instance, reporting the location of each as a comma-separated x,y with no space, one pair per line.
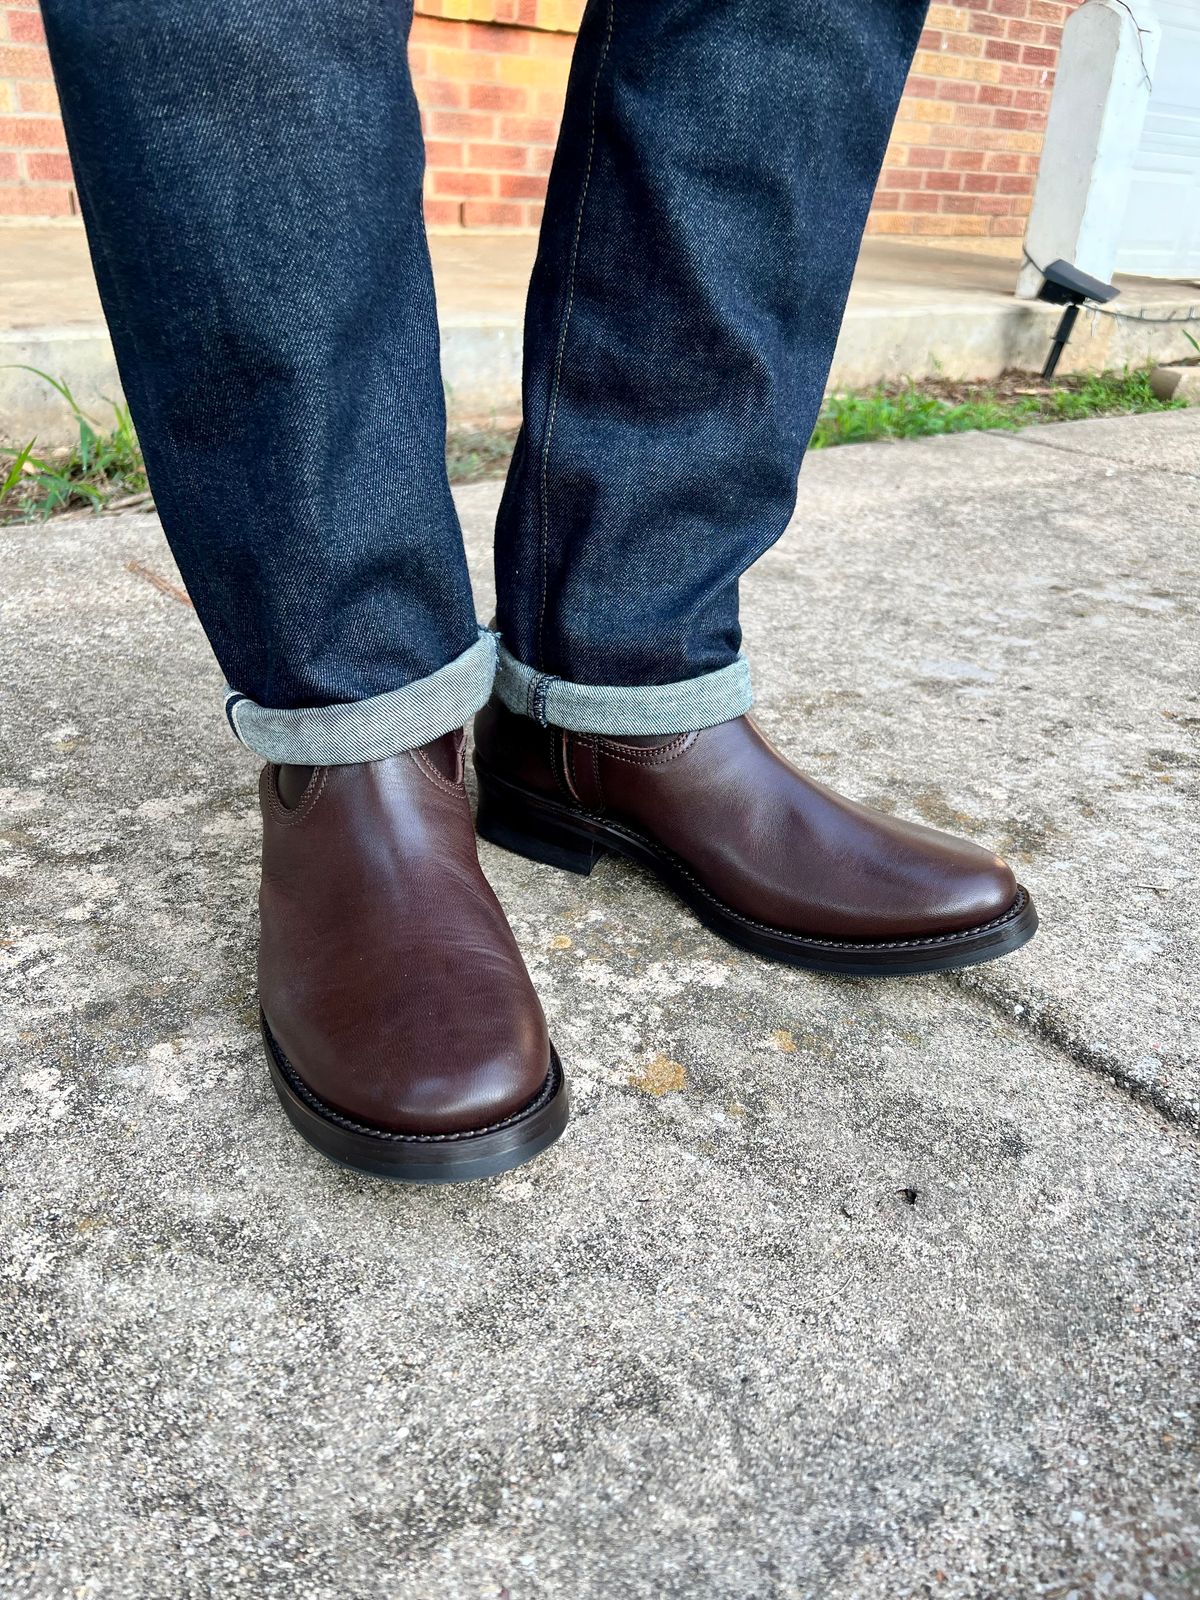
1098,455
1047,1021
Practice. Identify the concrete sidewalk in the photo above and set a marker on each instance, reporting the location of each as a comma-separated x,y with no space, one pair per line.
895,1294
914,310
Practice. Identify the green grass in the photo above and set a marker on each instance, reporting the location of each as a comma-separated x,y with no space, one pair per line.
103,469
103,465
919,410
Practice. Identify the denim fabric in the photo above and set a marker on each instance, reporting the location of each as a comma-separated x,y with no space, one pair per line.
370,730
623,711
250,176
709,191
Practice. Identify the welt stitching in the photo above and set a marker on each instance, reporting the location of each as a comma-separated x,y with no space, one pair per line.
314,1100
1017,906
801,939
562,342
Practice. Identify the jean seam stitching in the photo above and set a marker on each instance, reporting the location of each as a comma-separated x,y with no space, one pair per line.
562,340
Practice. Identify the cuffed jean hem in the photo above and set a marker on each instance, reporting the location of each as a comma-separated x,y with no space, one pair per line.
620,710
374,729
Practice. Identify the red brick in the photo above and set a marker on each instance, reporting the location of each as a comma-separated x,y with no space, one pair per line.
986,205
37,200
962,205
529,130
920,202
435,30
516,186
1002,50
960,89
994,94
442,214
931,39
496,97
461,125
1051,11
982,22
1016,183
966,160
26,27
439,92
1025,32
1022,77
1002,161
900,178
48,168
979,116
943,180
1009,8
37,97
24,61
497,41
533,216
980,183
510,157
8,166
32,133
924,156
1018,121
464,183
886,200
490,214
443,153
1033,55
1031,99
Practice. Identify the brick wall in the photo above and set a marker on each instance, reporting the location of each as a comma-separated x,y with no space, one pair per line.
491,74
35,175
964,152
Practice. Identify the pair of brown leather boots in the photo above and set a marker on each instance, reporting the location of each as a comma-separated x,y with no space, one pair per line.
403,1034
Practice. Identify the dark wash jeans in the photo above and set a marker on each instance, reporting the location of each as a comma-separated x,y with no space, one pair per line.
250,177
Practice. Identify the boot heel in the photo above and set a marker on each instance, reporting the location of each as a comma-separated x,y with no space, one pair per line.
535,835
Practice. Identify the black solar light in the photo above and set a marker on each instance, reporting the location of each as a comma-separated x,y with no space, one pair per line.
1065,285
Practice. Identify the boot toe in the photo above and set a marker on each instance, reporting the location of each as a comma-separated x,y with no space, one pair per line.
981,888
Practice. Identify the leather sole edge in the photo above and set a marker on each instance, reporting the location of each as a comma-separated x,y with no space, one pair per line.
419,1158
543,830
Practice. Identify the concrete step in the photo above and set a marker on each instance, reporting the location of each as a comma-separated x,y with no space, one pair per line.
914,310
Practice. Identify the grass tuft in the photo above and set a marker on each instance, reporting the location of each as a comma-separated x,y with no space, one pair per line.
919,410
104,466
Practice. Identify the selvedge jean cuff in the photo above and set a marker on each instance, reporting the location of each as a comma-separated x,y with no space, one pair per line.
623,710
374,729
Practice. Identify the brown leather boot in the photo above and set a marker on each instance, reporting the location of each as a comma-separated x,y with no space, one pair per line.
766,857
403,1034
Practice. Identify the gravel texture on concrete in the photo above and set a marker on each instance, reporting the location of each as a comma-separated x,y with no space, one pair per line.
834,1289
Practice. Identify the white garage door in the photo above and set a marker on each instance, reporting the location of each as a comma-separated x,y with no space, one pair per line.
1161,234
